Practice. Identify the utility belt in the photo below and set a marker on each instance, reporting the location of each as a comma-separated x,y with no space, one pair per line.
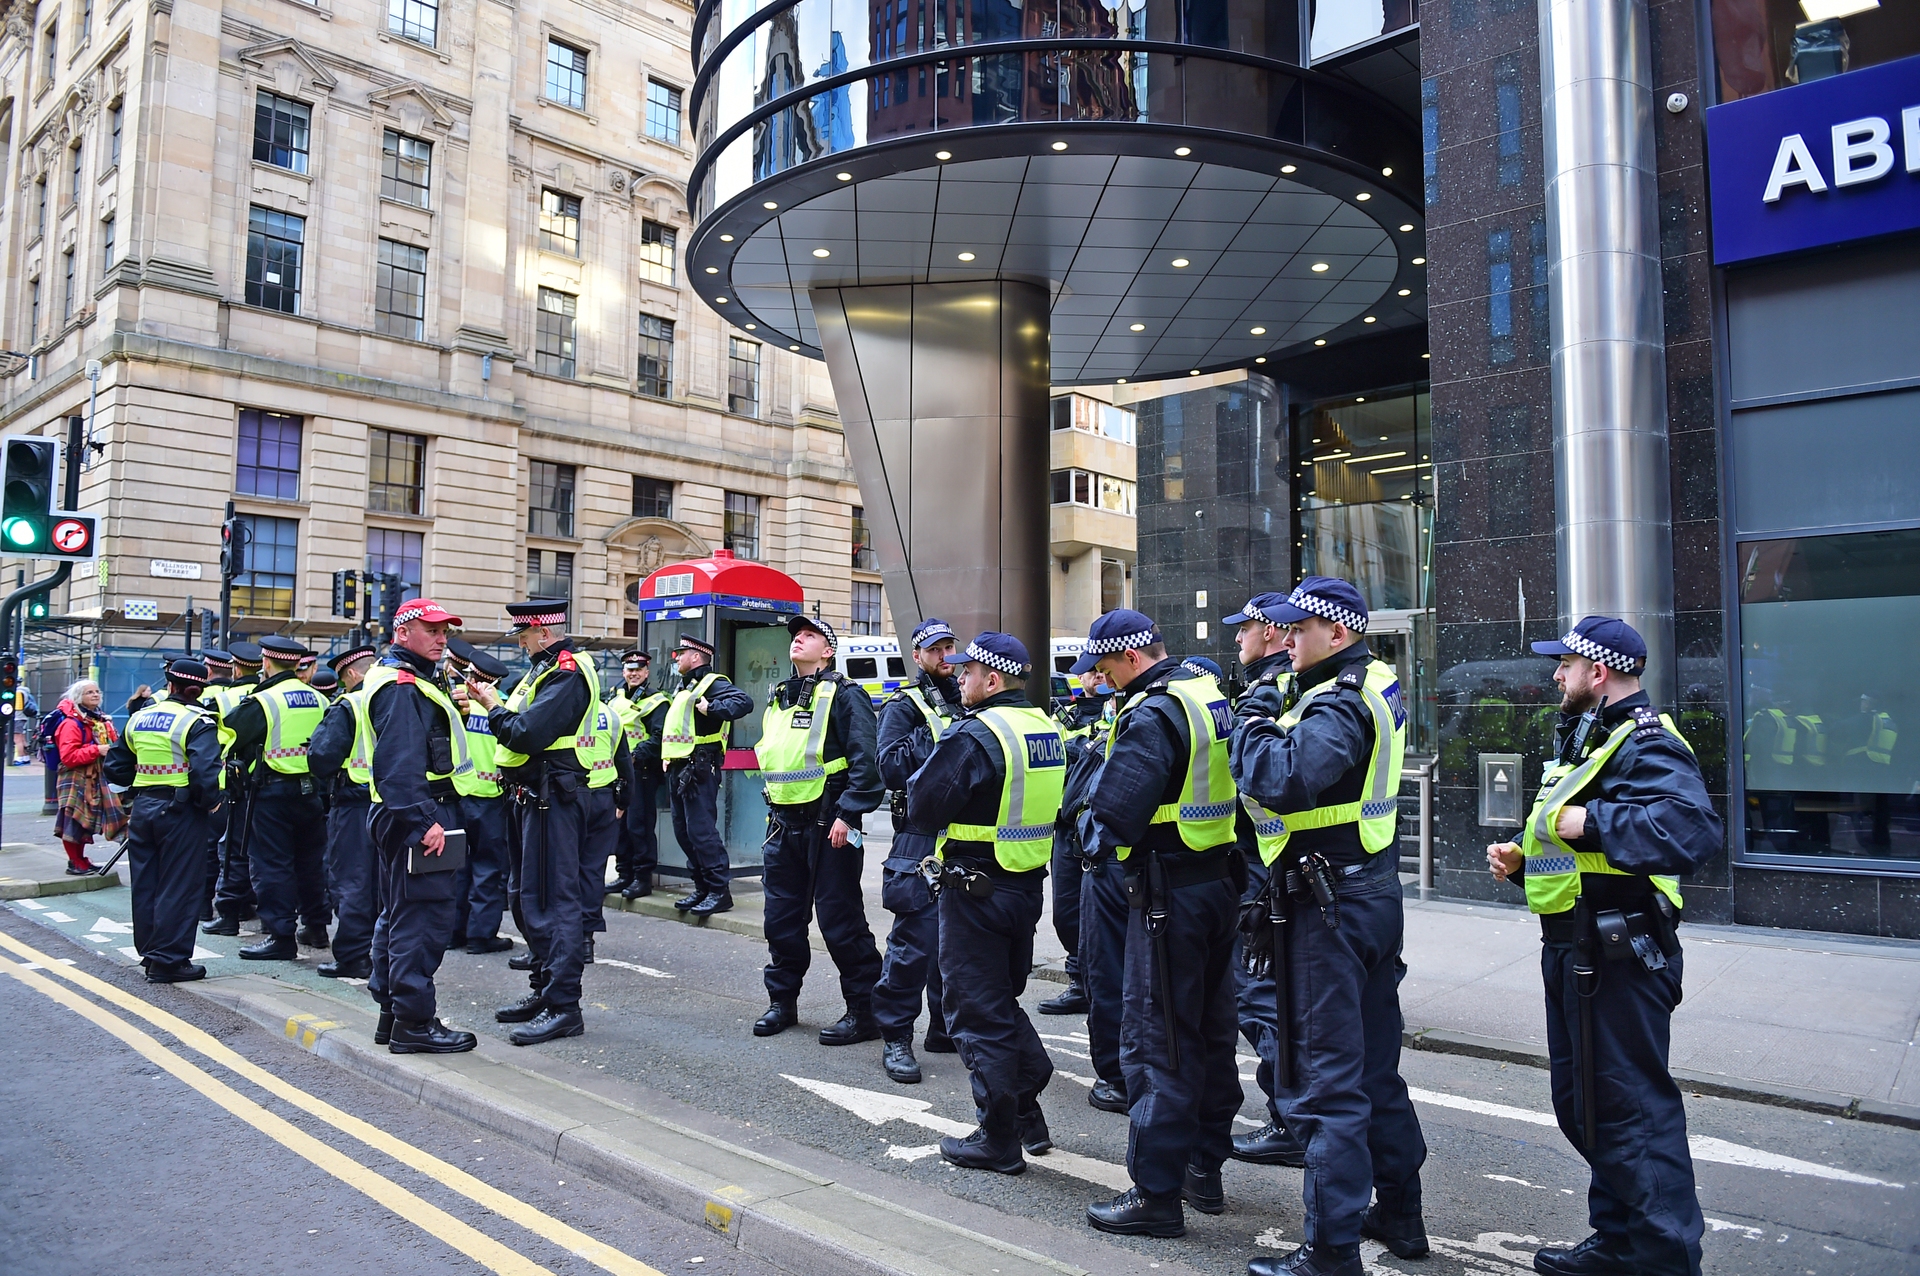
443,790
1649,934
347,793
1181,869
289,786
823,809
174,794
540,786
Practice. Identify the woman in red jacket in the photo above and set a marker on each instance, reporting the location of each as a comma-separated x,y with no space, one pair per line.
87,806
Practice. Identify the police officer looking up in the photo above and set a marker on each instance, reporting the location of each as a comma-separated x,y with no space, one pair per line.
170,756
340,757
1100,933
816,756
1622,814
694,746
484,809
1164,806
993,787
419,745
643,716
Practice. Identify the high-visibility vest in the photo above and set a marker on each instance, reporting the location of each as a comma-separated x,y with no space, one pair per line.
484,780
937,720
791,741
1781,754
581,741
678,739
598,756
359,765
634,714
158,737
1813,739
1036,758
222,701
1553,868
382,674
1204,815
1881,737
293,713
1378,810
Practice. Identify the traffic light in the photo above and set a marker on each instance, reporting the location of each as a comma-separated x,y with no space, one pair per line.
389,602
233,548
346,594
9,684
26,501
37,606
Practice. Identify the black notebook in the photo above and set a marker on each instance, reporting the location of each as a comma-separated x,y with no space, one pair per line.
450,860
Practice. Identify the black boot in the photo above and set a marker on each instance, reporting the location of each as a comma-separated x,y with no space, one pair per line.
718,902
1134,1213
312,936
222,926
272,948
639,888
522,1010
1034,1135
938,1042
184,973
344,969
524,961
487,944
1403,1234
428,1036
1269,1145
549,1025
1108,1097
1595,1256
1203,1191
780,1016
899,1062
686,902
383,1029
983,1151
1071,1002
618,886
855,1026
1307,1261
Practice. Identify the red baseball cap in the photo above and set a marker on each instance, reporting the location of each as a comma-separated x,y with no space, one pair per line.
424,609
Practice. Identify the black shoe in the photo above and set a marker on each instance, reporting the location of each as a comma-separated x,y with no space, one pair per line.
1597,1255
222,926
1108,1097
1306,1261
184,973
980,1151
550,1025
899,1062
344,969
686,902
383,1030
855,1026
1034,1135
81,870
490,944
1071,1002
1405,1237
523,962
636,890
428,1037
780,1016
619,885
522,1010
272,948
586,950
206,914
1134,1213
312,936
939,1043
720,903
1269,1145
1204,1192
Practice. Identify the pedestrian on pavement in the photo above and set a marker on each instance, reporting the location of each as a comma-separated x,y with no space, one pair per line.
694,745
88,809
287,835
170,762
993,785
234,900
1079,719
1268,671
1325,781
643,716
911,723
1622,815
1100,935
484,810
544,743
419,745
1164,806
816,755
340,759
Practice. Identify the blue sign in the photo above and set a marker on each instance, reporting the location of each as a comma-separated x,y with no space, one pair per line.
1816,164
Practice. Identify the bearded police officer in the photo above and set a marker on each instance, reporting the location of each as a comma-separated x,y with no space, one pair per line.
1164,806
483,807
816,755
911,723
1100,939
1324,784
340,759
1079,717
694,746
992,788
233,899
643,716
170,756
419,745
1622,814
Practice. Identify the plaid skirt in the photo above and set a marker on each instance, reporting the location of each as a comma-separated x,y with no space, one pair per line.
87,806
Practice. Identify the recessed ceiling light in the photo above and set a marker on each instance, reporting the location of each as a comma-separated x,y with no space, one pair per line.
1258,332
1320,341
943,155
1194,373
1406,292
1368,319
1364,196
1319,267
1419,261
1183,150
966,256
793,347
751,327
845,177
1121,381
1406,226
770,204
1289,168
1426,356
822,252
1261,359
1137,327
713,270
726,239
1059,146
1180,263
1386,172
1360,398
720,301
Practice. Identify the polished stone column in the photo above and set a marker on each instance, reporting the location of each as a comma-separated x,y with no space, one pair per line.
943,393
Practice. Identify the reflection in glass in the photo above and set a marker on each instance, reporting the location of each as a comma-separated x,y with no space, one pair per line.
1365,478
1339,25
1762,45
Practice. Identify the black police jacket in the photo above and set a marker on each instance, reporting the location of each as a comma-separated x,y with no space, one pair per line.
555,711
961,782
327,751
905,742
850,734
1258,701
1146,765
1085,757
411,737
725,703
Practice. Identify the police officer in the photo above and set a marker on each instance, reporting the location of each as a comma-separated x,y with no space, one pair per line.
419,745
219,663
643,716
911,723
483,808
993,788
1100,939
326,682
1622,814
609,780
1079,717
1268,672
1164,806
286,840
1324,780
545,743
233,899
340,759
694,747
170,756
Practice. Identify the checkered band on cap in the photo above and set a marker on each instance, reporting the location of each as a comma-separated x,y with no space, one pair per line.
825,631
525,622
405,614
1328,610
1254,613
1125,642
1582,645
993,660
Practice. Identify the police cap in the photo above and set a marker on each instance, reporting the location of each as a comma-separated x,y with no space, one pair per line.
325,680
362,652
487,666
932,630
997,651
287,650
1259,607
1200,664
796,623
1121,629
690,643
245,653
1603,640
191,672
1325,597
538,611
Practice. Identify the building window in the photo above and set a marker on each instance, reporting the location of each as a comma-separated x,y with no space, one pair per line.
281,131
86,20
33,313
863,559
1509,163
106,245
406,168
273,259
550,500
656,356
549,573
656,252
560,223
414,19
399,553
400,291
50,49
1500,296
740,532
272,548
1101,491
663,111
553,341
652,498
866,607
115,119
78,172
1090,416
396,472
743,376
40,206
269,455
566,75
66,300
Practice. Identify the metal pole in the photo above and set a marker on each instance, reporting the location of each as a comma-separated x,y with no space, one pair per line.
1425,776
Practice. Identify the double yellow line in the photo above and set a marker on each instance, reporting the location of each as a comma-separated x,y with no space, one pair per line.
475,1244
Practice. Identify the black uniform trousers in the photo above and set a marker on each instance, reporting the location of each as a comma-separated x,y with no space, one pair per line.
167,857
550,913
911,963
216,832
233,897
639,855
1066,902
287,851
351,874
805,876
416,920
1348,1104
597,843
986,954
1103,961
489,856
1184,1114
1258,1006
1642,1194
696,826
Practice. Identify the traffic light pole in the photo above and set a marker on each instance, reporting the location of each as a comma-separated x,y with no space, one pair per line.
226,588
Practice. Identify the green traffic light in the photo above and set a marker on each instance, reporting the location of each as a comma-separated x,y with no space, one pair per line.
20,531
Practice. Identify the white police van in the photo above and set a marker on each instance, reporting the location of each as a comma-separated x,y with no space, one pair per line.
878,665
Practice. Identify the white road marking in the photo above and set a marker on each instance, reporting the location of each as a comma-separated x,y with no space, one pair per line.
108,926
1063,1050
1491,1252
1074,1076
1538,1187
34,965
627,965
33,904
1484,1108
101,939
1270,1239
58,917
1722,1225
898,1153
